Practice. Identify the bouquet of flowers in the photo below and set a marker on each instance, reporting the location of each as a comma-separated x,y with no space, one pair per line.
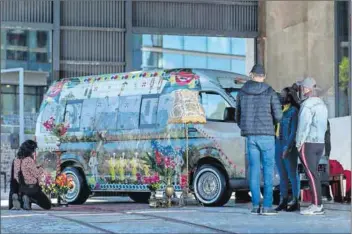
47,185
57,130
59,186
63,184
152,181
163,165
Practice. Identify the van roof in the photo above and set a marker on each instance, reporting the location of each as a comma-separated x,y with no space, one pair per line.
155,72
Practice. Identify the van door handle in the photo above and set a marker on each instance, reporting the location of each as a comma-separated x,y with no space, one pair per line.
190,130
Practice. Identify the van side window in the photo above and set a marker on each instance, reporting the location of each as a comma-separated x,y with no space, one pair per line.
88,115
128,114
106,113
149,109
52,109
73,114
165,104
214,105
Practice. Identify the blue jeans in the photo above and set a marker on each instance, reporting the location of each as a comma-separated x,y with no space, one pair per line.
288,170
261,150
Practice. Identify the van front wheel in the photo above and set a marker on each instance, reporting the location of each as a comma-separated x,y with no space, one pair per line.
210,186
79,192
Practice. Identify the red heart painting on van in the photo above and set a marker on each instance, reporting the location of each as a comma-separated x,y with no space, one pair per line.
184,78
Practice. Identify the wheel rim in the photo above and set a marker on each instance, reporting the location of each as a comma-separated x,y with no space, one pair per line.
73,193
208,186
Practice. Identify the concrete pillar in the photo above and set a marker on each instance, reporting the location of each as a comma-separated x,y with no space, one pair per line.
299,43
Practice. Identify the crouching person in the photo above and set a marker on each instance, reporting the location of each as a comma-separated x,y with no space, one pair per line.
27,175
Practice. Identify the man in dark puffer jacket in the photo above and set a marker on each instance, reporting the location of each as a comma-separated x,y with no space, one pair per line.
258,110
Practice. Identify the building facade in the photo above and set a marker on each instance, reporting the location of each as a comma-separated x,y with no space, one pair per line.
54,39
77,38
309,38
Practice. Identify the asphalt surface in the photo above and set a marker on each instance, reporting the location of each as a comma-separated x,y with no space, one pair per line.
121,215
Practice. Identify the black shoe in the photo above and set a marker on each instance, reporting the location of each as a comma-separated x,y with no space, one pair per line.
282,205
255,211
295,207
268,211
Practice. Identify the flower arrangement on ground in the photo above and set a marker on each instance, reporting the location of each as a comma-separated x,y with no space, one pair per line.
58,186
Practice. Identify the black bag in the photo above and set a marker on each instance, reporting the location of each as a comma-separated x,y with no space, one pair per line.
27,189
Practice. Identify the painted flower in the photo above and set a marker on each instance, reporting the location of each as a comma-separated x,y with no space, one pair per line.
158,157
139,177
183,181
146,180
172,164
167,162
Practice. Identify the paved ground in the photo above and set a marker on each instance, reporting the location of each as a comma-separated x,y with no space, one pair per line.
120,215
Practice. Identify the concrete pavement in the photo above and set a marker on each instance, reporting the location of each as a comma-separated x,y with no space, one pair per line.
120,215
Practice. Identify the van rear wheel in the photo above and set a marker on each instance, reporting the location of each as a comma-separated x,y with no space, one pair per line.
210,186
80,192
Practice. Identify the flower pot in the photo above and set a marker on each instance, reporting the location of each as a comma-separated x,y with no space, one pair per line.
152,200
169,190
62,201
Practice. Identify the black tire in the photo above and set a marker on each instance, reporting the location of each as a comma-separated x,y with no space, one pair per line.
141,197
80,193
242,196
226,197
219,195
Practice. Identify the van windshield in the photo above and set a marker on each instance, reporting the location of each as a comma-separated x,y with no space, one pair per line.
232,93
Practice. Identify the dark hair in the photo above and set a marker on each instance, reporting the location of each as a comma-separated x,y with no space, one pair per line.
27,149
292,94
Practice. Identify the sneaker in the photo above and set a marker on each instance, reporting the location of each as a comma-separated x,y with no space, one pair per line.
268,211
313,210
26,203
255,211
16,202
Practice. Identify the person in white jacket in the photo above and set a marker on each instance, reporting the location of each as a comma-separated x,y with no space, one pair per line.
310,140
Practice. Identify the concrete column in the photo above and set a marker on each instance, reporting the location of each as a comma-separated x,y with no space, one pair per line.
262,32
56,40
128,36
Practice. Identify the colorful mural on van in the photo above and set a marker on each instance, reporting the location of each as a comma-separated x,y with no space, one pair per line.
119,121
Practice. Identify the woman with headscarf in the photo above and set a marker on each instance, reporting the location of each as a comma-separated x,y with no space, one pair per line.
27,175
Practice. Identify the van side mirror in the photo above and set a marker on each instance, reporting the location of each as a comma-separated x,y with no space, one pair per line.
229,114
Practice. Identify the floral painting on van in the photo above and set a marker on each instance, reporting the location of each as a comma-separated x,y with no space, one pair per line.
118,122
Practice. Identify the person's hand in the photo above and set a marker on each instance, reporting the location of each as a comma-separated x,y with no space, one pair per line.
284,154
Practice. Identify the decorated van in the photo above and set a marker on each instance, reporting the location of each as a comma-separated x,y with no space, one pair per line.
118,124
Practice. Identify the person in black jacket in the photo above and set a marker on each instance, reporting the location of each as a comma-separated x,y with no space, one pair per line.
258,110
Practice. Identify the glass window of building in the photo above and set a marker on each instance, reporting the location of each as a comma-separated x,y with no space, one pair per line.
219,45
343,60
195,43
180,51
32,51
